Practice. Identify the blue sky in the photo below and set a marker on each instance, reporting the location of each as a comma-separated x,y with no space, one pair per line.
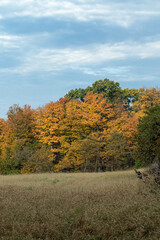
48,47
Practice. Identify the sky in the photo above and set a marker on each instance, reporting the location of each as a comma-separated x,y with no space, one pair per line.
48,47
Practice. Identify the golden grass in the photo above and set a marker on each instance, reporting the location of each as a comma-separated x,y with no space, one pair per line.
78,206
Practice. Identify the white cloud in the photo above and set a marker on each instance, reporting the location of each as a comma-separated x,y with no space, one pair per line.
10,41
58,59
122,13
105,71
87,59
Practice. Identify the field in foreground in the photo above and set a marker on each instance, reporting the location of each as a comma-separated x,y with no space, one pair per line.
78,206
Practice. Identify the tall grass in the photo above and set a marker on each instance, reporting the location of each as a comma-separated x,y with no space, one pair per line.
78,206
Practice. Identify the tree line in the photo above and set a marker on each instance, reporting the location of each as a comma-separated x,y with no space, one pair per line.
100,128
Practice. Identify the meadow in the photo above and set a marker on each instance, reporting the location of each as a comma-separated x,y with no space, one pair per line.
78,206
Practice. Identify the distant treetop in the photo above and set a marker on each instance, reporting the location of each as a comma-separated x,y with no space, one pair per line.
110,89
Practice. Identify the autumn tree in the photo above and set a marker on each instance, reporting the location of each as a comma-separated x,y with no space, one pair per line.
114,152
17,134
2,137
97,112
38,161
148,97
121,135
21,124
83,119
83,155
48,125
90,151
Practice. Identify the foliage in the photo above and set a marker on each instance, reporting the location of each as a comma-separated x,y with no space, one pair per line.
91,129
48,122
109,89
8,164
21,124
147,98
38,162
148,137
114,152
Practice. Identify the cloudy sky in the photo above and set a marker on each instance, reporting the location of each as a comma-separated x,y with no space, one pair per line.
48,47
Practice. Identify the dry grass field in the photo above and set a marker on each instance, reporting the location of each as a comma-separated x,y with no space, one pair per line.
78,206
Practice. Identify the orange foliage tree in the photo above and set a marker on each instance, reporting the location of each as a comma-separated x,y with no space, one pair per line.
85,119
48,125
148,97
21,124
